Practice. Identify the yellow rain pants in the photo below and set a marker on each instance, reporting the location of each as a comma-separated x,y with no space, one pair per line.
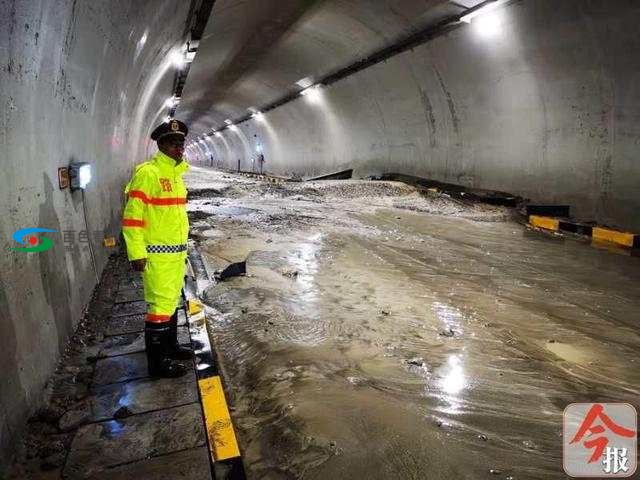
162,287
155,226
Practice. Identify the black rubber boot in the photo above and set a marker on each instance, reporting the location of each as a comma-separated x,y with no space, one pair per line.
177,351
157,342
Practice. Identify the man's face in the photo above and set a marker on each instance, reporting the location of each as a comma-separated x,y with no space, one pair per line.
172,146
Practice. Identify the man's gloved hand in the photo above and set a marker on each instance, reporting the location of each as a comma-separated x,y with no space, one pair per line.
138,265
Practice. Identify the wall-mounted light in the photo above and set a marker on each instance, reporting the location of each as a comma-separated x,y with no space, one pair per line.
79,175
233,127
218,134
259,116
228,122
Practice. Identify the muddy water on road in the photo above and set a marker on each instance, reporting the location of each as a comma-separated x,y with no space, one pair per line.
374,340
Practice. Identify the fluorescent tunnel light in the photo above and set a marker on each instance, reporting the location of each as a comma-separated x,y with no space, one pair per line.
305,82
171,102
483,10
312,93
177,58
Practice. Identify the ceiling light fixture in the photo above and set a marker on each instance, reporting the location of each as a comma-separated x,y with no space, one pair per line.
482,10
171,101
177,58
312,93
306,82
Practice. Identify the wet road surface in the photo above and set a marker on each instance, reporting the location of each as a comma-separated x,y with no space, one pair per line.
385,334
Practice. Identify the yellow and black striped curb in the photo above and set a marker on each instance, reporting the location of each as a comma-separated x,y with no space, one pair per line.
223,444
599,234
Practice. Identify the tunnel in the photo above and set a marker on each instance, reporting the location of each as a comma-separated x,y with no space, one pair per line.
412,243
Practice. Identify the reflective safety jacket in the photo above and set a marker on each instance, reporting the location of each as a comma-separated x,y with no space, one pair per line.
155,223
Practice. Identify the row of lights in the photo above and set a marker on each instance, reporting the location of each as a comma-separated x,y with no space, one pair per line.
312,91
180,58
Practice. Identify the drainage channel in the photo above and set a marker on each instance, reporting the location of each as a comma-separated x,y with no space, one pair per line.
224,451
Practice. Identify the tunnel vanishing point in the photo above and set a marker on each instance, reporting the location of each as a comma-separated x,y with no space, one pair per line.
413,238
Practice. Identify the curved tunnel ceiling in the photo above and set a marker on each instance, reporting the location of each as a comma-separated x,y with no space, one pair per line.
253,53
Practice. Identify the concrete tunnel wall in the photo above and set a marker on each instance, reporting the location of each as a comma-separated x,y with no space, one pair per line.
85,81
545,105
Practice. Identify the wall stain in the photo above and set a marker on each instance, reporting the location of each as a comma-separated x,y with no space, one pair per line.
53,274
450,104
431,119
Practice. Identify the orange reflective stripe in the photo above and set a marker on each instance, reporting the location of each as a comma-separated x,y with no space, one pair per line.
157,318
132,222
138,194
157,200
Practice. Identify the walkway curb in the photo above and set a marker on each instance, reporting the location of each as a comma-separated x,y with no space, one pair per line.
224,450
600,234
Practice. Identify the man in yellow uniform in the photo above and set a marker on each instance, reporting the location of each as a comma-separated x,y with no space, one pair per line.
155,228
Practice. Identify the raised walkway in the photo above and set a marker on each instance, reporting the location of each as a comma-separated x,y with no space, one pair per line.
107,419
